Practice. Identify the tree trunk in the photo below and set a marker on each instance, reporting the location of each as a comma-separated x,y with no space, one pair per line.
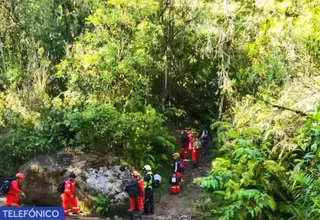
4,68
168,54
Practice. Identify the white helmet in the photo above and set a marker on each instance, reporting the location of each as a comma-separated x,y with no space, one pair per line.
147,167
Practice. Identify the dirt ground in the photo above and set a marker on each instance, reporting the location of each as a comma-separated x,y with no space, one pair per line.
178,205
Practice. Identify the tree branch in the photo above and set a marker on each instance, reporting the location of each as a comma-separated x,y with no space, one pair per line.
287,109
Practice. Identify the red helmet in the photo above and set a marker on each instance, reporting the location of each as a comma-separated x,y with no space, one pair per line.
20,176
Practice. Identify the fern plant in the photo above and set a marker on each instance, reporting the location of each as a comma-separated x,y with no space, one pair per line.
241,183
247,182
103,204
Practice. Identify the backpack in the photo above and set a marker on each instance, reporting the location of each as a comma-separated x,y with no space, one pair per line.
156,181
205,135
197,144
60,188
184,137
6,186
133,188
181,168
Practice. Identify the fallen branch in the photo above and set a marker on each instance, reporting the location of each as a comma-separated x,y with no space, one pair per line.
284,108
289,109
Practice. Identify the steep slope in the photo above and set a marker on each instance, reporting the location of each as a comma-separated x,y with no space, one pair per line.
176,206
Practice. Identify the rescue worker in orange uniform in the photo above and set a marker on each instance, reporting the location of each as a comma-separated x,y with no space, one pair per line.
191,140
194,153
12,196
137,200
69,198
175,187
184,138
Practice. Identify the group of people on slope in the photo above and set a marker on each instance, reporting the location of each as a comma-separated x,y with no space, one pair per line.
141,191
11,188
191,144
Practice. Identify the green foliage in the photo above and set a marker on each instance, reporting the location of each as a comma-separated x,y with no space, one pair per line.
242,183
136,136
103,204
88,126
248,182
106,77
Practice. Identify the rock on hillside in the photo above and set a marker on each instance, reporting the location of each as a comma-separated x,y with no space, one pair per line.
44,173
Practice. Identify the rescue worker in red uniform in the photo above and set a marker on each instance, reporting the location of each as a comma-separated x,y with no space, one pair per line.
12,196
195,152
175,187
192,149
184,138
69,198
191,140
137,200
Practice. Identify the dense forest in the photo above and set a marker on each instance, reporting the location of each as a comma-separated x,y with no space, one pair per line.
115,77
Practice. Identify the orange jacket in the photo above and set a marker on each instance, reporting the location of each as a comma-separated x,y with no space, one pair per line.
191,140
14,189
70,187
143,192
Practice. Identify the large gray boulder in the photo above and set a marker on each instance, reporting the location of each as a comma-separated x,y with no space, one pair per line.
44,173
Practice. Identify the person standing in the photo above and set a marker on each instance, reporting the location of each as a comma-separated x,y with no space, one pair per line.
205,142
184,138
69,197
192,149
136,192
177,168
14,190
149,191
191,138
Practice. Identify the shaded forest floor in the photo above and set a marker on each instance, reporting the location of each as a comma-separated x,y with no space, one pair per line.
182,206
176,206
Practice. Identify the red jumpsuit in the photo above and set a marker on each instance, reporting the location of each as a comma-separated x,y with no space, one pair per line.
12,196
175,187
194,153
185,149
138,200
69,197
185,146
191,141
